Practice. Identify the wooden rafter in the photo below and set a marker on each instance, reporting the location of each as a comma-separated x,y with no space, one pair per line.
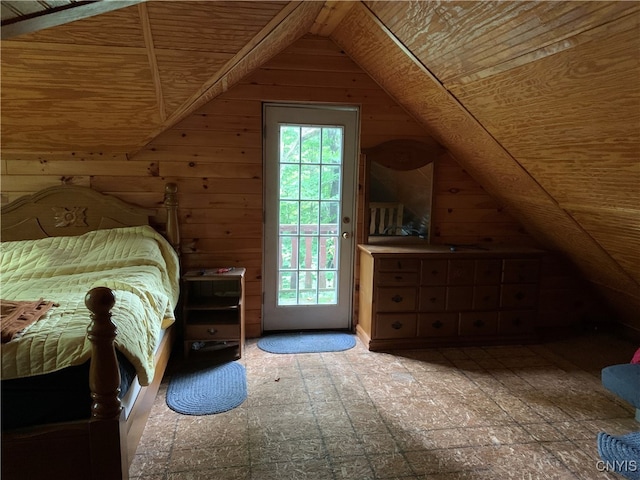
332,13
153,63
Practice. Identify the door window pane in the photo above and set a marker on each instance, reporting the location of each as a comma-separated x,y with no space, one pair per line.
310,171
331,182
290,181
332,145
310,144
310,184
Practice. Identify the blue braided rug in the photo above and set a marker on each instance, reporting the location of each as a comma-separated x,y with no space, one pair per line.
307,342
621,454
207,389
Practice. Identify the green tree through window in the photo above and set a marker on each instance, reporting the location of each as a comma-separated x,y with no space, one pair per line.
310,172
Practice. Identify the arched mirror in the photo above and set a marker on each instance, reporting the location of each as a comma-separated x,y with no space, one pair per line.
399,191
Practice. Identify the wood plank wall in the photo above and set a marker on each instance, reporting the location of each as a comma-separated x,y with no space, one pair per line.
215,156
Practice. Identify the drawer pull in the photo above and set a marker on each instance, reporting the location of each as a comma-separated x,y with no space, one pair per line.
396,298
437,324
212,331
517,321
519,295
433,299
478,324
396,325
398,277
434,272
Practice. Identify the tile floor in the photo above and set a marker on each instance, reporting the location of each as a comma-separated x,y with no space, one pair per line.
486,413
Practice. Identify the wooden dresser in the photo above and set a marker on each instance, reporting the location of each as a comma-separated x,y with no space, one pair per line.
428,295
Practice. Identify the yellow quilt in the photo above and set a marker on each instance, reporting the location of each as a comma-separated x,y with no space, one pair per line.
137,263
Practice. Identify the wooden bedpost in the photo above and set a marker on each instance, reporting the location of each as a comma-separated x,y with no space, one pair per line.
104,374
107,438
171,204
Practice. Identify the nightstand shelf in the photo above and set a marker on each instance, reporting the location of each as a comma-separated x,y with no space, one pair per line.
213,310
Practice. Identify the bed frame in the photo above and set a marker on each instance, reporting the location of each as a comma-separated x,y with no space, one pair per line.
101,447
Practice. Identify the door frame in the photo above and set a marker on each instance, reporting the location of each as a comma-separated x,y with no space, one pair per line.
268,193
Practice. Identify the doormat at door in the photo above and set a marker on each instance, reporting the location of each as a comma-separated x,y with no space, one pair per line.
307,342
206,389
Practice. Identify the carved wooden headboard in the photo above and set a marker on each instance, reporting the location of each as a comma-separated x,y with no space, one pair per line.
70,210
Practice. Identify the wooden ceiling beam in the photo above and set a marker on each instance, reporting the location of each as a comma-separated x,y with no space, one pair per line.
291,23
332,13
56,17
153,62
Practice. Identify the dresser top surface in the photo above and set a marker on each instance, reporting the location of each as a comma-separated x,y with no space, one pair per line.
446,250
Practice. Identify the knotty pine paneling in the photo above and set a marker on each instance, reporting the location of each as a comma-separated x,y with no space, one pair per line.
464,213
81,167
202,168
186,185
27,183
216,154
193,137
221,123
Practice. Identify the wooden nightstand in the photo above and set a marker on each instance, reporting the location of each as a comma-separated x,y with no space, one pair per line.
213,310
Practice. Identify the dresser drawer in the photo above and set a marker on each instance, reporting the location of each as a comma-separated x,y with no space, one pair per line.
478,323
486,297
461,272
459,298
433,272
396,325
518,296
432,299
211,332
515,322
397,278
395,299
398,265
437,324
524,270
488,272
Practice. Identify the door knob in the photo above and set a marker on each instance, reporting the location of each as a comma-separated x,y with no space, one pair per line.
346,235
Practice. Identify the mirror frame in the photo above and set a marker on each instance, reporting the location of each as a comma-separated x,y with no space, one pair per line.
403,155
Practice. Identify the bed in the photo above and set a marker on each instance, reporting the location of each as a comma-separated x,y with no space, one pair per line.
100,272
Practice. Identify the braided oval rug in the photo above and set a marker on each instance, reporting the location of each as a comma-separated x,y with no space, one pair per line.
621,453
207,389
307,342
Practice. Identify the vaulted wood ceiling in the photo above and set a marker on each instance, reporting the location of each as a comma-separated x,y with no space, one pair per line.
539,101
